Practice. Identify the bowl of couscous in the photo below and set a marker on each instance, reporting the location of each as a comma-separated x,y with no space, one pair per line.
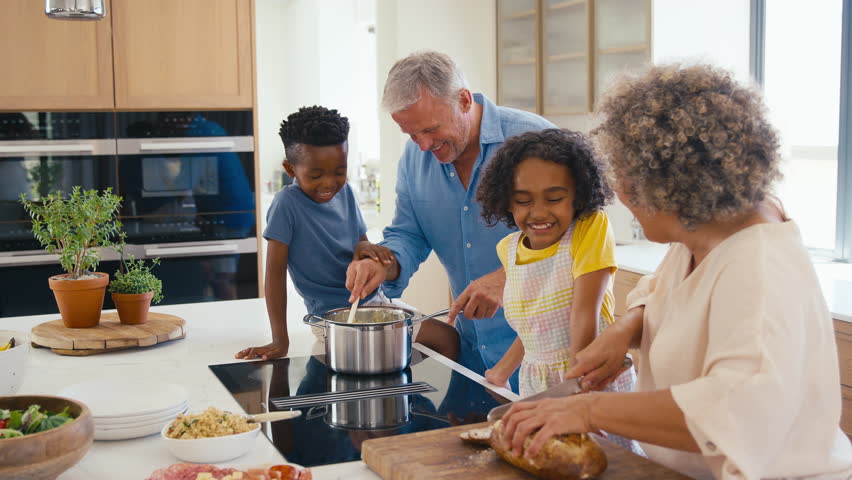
211,436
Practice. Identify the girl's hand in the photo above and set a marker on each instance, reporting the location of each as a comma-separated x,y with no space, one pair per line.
497,377
544,419
271,350
365,249
603,360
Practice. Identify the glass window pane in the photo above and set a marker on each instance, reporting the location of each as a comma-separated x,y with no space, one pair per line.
802,89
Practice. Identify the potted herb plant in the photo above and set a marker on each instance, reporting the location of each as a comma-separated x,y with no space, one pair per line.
75,226
134,289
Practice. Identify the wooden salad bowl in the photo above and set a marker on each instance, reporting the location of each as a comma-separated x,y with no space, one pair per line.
45,455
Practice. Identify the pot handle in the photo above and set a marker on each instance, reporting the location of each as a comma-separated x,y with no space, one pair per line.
314,321
316,411
439,313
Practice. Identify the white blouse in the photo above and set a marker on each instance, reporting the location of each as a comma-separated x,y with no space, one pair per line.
746,344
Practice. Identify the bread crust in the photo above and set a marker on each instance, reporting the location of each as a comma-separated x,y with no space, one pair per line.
564,457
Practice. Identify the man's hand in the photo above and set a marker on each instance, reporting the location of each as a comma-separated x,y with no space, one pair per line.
365,249
364,276
482,298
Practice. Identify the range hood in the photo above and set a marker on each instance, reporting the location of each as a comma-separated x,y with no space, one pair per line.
75,9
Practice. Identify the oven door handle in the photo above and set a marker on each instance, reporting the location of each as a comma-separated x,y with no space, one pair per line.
29,259
48,148
194,250
187,146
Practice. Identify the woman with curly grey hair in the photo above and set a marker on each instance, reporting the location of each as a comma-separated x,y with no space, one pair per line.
738,376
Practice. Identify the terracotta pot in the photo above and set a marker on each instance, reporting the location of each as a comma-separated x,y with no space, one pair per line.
132,307
80,301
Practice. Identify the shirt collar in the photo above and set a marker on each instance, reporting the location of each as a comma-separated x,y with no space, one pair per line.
490,130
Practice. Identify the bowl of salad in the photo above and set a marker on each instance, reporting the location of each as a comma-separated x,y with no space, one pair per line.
14,352
42,436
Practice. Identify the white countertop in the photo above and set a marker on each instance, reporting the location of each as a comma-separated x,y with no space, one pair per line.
834,277
215,331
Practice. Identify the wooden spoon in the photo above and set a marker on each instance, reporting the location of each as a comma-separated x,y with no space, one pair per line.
352,310
273,416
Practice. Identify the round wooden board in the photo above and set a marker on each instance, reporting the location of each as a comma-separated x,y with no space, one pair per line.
110,335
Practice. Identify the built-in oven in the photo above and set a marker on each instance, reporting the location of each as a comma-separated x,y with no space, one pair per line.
187,182
41,153
187,179
186,176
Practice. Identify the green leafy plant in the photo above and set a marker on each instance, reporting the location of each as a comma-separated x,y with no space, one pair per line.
74,226
137,278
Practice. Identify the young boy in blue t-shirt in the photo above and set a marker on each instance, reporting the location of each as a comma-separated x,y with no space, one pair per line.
314,226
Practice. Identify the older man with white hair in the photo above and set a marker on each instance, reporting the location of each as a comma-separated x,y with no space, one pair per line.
453,135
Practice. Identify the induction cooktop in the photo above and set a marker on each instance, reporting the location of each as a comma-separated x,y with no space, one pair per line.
340,411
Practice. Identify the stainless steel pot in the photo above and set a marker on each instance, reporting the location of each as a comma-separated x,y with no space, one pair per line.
377,341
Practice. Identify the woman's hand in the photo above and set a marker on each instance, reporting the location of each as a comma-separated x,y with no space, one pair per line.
544,419
275,349
365,249
603,360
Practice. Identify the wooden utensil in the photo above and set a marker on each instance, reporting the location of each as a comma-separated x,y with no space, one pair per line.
274,416
352,310
440,454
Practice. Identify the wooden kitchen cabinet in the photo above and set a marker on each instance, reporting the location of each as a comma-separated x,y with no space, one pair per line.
624,282
186,54
556,57
145,55
53,64
843,336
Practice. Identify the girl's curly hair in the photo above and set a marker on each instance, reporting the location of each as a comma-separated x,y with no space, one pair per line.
690,141
564,147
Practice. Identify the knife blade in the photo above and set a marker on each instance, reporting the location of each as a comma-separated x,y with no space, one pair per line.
568,387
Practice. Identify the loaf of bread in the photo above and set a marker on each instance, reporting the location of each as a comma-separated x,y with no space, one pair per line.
564,457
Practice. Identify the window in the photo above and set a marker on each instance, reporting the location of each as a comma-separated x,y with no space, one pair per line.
802,87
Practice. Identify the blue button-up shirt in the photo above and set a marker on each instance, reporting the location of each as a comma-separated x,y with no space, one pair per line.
435,212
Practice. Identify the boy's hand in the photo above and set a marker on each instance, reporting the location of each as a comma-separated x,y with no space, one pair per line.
365,249
271,350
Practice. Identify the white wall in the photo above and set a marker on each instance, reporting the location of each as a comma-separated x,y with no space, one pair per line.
709,31
306,56
465,30
272,94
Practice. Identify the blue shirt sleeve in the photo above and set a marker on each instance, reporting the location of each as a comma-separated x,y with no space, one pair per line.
279,220
404,237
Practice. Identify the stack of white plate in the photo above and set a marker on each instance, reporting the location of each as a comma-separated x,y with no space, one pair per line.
124,409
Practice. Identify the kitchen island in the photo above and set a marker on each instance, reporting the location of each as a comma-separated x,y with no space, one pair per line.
214,332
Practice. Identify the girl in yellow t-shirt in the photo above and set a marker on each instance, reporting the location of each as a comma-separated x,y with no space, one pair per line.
558,293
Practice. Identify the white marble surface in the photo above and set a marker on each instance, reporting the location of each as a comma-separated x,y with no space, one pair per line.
215,331
834,277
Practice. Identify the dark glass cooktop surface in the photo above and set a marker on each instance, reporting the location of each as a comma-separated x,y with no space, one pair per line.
339,412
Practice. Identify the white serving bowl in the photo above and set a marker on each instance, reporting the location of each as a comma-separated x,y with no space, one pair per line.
14,361
210,450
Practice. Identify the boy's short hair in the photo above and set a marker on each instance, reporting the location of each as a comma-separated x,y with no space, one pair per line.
317,126
563,147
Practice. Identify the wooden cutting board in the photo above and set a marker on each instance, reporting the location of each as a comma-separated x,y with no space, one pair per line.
440,454
109,336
